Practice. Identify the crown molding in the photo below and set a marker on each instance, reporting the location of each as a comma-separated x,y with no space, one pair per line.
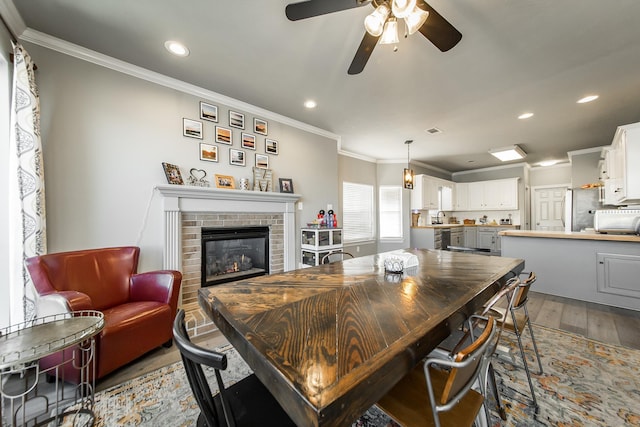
79,52
12,18
585,151
362,157
491,168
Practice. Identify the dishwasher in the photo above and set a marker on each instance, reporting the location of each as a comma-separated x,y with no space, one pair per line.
446,238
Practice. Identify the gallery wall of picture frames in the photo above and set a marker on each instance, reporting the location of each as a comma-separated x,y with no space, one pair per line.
250,146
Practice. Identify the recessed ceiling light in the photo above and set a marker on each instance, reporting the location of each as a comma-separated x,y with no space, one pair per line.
525,116
176,48
548,163
587,99
310,103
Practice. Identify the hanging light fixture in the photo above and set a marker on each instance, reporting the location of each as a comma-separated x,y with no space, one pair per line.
407,173
384,19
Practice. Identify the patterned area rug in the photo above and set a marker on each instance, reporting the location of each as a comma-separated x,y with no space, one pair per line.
585,383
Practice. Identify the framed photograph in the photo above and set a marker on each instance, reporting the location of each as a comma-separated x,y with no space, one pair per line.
260,126
236,120
208,152
236,157
248,141
192,128
208,112
224,135
270,146
173,173
286,185
262,161
225,181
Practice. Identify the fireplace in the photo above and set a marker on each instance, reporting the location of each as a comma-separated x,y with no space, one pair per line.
233,253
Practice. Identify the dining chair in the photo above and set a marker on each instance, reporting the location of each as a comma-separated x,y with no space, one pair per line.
515,318
449,347
439,392
335,256
245,403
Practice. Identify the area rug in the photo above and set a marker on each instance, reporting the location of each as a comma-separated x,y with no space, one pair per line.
585,383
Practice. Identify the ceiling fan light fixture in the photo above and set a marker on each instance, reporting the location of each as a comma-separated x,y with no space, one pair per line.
507,154
416,19
390,33
374,22
403,8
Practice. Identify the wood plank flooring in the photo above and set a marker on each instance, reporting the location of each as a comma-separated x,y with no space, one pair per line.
599,322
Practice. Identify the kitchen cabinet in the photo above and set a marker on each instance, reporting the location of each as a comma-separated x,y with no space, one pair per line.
486,238
457,236
499,194
622,185
431,193
425,193
462,196
617,274
425,238
470,240
489,238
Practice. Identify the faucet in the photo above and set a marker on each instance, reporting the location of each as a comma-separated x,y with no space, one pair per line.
438,220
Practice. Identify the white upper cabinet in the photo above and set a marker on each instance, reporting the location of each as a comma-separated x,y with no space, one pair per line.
425,193
431,193
622,181
462,196
499,194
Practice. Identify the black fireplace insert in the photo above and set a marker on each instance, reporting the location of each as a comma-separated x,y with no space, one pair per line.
234,253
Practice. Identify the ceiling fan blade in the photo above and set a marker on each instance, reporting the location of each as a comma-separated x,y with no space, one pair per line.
311,8
438,30
363,53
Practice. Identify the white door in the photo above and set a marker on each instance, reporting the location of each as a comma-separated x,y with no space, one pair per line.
548,208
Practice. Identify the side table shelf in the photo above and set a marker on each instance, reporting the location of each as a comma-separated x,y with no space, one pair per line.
24,401
318,242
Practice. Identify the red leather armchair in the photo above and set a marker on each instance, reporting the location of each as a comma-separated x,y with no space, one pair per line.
138,309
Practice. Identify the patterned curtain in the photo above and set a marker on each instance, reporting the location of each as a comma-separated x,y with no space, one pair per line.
27,210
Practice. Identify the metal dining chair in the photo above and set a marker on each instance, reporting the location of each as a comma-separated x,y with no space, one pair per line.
460,337
439,392
245,403
515,318
335,256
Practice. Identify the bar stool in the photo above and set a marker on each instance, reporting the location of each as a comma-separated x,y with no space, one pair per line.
516,323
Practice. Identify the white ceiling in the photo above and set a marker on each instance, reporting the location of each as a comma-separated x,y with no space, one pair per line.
514,56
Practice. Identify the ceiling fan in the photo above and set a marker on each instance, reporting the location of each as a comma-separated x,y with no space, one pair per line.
437,29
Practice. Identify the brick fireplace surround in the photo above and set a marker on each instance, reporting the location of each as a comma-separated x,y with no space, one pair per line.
187,209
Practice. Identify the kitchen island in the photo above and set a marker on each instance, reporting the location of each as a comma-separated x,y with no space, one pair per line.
592,267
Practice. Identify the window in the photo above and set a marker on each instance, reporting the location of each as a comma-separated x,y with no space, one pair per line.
357,212
390,202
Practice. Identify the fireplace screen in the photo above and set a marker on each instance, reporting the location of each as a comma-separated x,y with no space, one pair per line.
230,254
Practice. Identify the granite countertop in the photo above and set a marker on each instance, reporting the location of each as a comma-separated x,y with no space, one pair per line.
571,235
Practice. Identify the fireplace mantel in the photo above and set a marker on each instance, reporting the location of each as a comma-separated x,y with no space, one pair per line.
182,198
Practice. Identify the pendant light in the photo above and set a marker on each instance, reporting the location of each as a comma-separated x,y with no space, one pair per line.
407,174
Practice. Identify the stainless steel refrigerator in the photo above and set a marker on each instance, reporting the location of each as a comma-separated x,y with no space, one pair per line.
580,208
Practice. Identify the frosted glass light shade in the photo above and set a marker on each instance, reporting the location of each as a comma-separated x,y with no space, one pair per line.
415,20
402,8
374,22
390,33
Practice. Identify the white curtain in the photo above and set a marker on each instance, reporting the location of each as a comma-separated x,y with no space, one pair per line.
26,186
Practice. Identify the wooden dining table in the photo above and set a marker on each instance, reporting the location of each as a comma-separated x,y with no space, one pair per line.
329,341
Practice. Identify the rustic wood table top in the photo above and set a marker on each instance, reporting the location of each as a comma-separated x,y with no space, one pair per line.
329,341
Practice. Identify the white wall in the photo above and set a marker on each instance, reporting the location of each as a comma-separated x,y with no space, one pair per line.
105,135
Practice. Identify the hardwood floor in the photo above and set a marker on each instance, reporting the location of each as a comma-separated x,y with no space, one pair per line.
611,325
599,322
